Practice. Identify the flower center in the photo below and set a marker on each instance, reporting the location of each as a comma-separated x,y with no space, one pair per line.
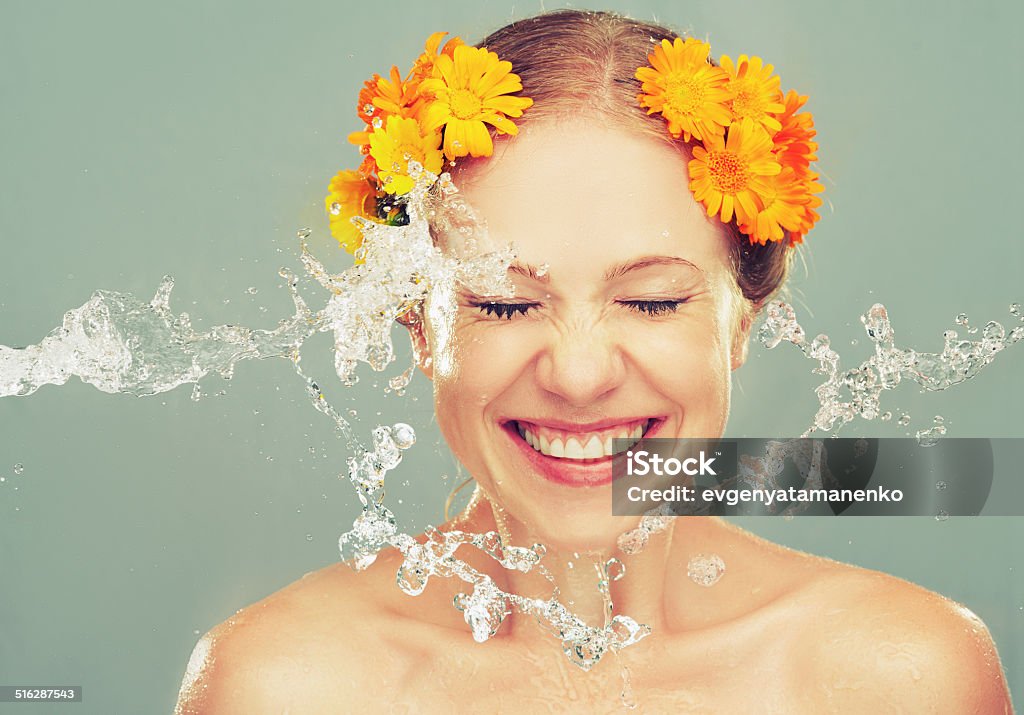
683,94
410,152
728,173
748,102
465,104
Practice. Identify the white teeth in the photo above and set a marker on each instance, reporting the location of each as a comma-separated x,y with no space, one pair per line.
594,449
556,448
575,447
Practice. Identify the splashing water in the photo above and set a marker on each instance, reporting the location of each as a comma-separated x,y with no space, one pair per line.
119,343
959,360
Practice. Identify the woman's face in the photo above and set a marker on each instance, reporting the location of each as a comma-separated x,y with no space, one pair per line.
625,319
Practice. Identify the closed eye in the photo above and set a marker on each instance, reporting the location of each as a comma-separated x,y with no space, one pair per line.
505,310
652,307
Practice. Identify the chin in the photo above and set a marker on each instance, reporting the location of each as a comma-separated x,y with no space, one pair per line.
568,526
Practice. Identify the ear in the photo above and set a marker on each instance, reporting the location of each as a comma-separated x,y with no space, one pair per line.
414,323
741,335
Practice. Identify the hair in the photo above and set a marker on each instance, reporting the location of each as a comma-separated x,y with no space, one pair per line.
576,62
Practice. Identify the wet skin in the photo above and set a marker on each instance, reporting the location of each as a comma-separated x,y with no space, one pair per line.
625,311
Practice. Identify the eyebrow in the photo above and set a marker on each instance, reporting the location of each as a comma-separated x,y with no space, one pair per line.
646,262
531,271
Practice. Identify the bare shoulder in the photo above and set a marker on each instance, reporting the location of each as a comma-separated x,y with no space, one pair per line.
879,643
299,649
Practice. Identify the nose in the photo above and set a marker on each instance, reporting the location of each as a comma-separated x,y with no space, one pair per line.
581,363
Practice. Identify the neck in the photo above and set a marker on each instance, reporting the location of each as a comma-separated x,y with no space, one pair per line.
640,594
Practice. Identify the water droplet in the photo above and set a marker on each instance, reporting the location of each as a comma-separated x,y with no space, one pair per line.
309,537
886,416
251,290
943,515
940,485
19,468
705,569
404,435
904,420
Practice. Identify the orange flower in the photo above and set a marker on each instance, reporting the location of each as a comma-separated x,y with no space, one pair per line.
784,207
424,65
365,107
728,174
379,99
393,96
808,216
793,145
689,92
757,93
350,194
469,89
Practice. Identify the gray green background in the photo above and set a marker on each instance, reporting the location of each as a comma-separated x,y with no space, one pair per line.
193,139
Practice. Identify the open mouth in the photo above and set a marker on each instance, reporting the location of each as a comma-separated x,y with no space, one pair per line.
577,455
588,446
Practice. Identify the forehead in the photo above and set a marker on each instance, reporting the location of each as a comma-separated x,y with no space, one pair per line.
586,193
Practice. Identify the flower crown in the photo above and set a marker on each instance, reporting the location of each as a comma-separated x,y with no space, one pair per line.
751,154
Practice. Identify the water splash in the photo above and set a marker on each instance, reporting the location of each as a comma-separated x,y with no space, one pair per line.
705,569
959,360
119,343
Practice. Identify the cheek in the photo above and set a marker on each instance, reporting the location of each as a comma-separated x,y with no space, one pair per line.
481,361
686,360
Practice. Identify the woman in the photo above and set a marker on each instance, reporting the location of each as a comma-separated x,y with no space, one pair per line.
631,309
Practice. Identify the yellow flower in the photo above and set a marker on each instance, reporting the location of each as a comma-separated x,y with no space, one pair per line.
395,144
350,194
784,207
727,174
757,93
468,89
689,92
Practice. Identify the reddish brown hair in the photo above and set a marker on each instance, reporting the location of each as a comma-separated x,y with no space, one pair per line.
574,62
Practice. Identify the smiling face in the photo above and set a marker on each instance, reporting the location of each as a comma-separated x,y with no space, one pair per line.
626,319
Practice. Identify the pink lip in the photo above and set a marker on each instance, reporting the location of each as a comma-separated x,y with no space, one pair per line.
568,426
572,473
